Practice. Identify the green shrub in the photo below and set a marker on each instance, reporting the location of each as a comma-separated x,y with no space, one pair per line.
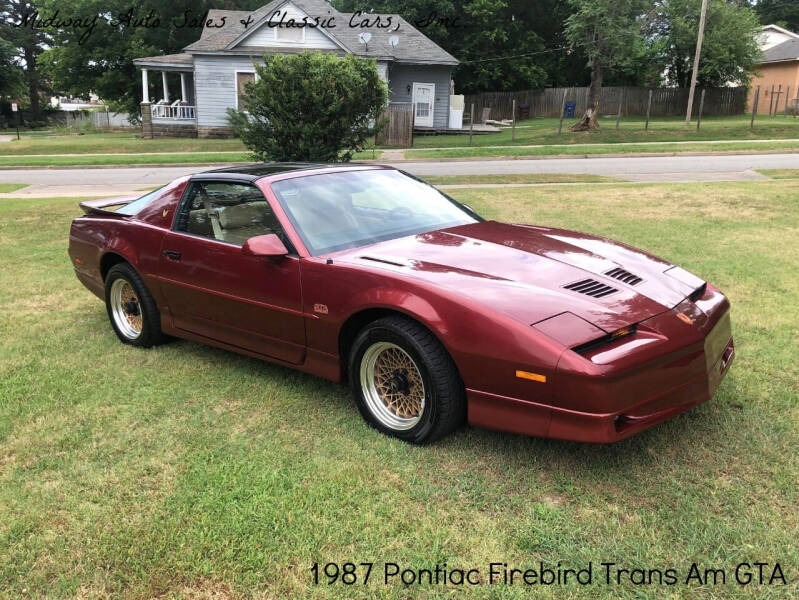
310,107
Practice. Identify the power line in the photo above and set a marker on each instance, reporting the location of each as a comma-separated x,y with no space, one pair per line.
546,51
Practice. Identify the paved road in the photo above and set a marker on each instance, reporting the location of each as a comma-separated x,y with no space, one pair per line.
660,168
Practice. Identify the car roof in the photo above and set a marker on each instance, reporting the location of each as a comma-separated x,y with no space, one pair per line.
251,172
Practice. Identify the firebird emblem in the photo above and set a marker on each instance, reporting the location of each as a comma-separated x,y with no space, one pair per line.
320,308
685,318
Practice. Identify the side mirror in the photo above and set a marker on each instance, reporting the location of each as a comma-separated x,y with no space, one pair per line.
264,245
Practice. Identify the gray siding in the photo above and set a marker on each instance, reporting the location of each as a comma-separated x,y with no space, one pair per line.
215,86
401,76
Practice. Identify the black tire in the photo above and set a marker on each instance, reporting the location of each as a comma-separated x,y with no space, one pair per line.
444,408
150,333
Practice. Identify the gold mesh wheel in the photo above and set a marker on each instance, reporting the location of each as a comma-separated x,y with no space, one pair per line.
392,386
126,309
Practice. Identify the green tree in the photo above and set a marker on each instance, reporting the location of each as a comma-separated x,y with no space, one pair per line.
11,76
499,49
29,43
310,107
729,51
784,13
610,31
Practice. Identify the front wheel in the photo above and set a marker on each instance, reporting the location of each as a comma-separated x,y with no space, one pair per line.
404,381
131,309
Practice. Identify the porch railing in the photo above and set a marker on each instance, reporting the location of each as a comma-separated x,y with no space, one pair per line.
177,112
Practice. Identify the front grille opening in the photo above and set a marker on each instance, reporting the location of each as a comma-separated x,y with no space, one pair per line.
591,287
624,276
587,347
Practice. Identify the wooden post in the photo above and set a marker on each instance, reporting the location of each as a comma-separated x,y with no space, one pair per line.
771,100
701,106
648,107
777,101
787,97
754,107
621,103
562,110
697,54
513,125
471,123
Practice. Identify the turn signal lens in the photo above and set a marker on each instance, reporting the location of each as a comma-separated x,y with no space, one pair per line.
531,376
621,332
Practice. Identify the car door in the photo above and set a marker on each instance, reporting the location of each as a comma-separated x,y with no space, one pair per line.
215,291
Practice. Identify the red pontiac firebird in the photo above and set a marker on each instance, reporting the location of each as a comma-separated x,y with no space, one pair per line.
434,315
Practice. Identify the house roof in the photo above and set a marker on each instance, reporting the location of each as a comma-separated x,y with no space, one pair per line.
779,29
788,50
166,60
413,47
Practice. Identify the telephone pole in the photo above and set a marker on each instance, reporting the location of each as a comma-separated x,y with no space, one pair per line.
696,61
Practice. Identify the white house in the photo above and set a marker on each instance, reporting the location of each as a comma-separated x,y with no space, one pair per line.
192,91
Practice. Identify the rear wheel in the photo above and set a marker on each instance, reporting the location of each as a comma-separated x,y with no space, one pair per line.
404,381
131,308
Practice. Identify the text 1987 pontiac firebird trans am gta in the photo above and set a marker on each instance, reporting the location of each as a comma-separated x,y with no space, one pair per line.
434,315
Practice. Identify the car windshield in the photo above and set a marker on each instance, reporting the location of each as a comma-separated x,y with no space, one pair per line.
337,211
134,207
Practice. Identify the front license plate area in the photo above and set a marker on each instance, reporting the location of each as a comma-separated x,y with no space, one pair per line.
717,340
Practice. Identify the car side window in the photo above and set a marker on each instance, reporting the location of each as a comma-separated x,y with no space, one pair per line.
228,212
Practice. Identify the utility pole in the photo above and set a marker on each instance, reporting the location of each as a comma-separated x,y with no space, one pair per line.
696,61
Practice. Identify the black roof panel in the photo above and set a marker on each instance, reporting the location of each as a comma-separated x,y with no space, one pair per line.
255,171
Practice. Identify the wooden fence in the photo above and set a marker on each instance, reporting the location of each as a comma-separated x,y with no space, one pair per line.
397,127
666,102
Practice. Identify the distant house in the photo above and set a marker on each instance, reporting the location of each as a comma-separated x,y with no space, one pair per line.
778,70
197,86
773,35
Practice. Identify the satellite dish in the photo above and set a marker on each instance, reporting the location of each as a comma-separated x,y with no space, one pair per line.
393,41
365,37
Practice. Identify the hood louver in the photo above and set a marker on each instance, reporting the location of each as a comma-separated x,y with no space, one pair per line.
591,287
624,276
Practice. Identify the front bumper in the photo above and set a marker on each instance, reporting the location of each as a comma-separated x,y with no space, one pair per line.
666,368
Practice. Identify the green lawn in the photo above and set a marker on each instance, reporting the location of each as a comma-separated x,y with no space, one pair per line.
189,472
5,188
631,130
780,173
113,143
140,159
593,149
39,150
518,178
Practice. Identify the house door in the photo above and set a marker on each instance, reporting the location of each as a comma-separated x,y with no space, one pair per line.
423,96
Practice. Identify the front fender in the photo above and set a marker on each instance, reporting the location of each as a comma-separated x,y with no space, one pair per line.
488,347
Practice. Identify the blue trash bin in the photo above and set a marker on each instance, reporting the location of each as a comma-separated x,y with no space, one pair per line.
568,110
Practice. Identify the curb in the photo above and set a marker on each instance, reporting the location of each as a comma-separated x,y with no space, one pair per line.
589,156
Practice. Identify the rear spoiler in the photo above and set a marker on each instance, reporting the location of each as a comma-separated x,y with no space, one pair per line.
96,207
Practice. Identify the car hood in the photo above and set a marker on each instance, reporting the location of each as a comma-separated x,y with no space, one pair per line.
522,270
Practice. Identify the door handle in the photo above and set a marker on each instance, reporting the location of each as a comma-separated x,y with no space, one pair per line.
172,254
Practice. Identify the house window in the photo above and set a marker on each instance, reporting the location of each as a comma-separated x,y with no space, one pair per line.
242,79
293,35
